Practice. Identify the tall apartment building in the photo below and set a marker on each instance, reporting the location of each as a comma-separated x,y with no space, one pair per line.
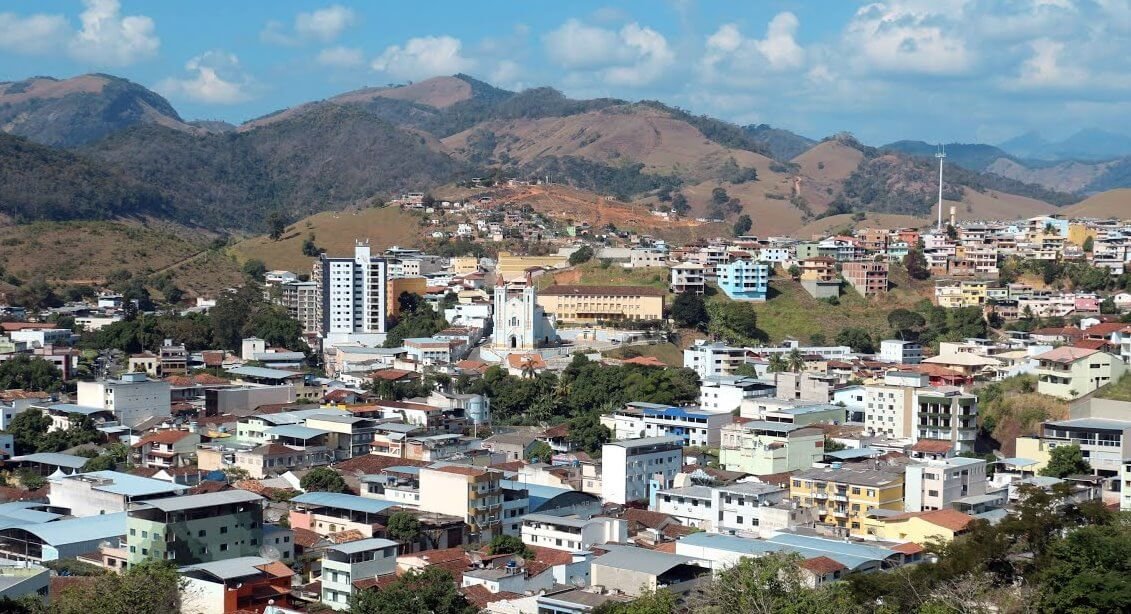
473,494
688,277
947,414
629,467
869,278
758,447
352,297
195,528
889,408
300,299
745,280
713,359
843,497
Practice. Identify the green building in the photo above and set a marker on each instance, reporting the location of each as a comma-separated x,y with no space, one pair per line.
196,528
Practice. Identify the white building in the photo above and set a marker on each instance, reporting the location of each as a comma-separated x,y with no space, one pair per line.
751,507
629,467
889,408
725,393
572,533
352,297
688,277
692,506
713,359
693,426
16,405
520,323
901,352
346,563
936,484
132,398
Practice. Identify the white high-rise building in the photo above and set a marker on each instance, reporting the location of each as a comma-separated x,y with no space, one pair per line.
352,297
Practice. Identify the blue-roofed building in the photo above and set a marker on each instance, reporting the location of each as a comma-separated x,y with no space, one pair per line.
329,512
106,492
60,539
719,551
744,280
695,426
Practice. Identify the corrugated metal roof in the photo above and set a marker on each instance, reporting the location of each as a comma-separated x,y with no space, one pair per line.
71,408
229,569
343,501
263,372
186,502
57,459
129,485
642,560
296,431
363,545
77,530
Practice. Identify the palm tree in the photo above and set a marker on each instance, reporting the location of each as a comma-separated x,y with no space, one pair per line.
528,369
777,364
796,361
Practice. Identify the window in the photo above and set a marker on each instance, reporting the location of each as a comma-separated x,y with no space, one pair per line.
144,534
738,519
223,530
223,547
133,531
201,533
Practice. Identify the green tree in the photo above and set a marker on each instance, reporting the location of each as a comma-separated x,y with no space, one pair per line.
719,196
276,225
507,544
1107,306
916,264
743,225
403,527
689,310
1088,571
1065,461
255,269
795,361
1089,245
540,451
309,248
37,295
777,363
30,373
323,479
651,602
733,322
856,338
586,433
432,590
27,428
951,232
582,255
769,584
145,588
906,323
679,204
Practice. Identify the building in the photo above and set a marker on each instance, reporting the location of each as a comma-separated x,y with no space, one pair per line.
758,447
592,304
326,513
695,427
819,277
724,393
889,408
106,492
947,414
630,468
754,507
901,352
60,539
867,277
713,359
572,533
474,494
843,497
242,584
1104,442
941,526
131,398
170,448
195,528
1070,373
352,298
635,571
300,299
745,280
520,322
937,484
345,564
688,277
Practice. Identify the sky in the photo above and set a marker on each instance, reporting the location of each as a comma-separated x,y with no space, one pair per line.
936,70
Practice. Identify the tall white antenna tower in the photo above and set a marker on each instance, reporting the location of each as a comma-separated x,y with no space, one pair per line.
941,155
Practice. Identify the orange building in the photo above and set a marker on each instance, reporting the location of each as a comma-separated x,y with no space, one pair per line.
399,285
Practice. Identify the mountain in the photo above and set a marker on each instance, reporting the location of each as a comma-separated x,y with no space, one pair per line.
976,157
80,110
782,144
1088,144
1112,204
44,183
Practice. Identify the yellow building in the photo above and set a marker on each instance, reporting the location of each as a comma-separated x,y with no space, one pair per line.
1033,448
920,527
1079,233
590,304
512,267
843,497
399,285
969,293
463,265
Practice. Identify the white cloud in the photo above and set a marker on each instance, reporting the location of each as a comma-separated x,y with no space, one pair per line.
341,57
908,36
34,34
730,56
633,56
108,38
215,78
423,57
506,74
1045,68
322,25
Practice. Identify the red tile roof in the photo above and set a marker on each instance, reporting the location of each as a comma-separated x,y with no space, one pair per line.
368,464
945,518
1091,344
932,446
480,597
520,361
908,548
822,565
648,519
1065,354
167,437
305,537
392,375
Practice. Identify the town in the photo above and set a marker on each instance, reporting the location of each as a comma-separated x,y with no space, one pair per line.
393,418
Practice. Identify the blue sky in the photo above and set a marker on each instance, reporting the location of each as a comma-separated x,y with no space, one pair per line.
949,70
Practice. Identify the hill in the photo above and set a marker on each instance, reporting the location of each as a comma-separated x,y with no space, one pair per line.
43,183
1088,144
1111,204
782,144
82,109
438,92
975,157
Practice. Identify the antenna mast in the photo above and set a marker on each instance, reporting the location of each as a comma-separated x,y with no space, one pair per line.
941,155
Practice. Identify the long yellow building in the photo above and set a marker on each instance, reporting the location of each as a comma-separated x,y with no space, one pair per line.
591,304
843,497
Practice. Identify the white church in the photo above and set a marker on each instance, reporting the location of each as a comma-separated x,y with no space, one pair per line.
520,324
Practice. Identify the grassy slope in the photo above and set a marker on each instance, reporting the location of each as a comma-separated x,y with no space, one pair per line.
1113,203
335,231
668,353
593,274
791,312
1118,391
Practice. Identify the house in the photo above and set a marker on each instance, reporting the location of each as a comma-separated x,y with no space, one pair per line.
937,484
693,425
941,525
572,533
867,277
327,513
195,528
515,446
474,494
131,398
900,352
171,448
525,365
629,468
720,551
634,571
106,492
346,564
759,447
843,497
1070,373
687,277
246,583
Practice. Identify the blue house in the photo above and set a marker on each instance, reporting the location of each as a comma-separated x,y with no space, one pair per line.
744,280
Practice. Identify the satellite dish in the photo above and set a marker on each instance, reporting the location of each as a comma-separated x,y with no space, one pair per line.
270,552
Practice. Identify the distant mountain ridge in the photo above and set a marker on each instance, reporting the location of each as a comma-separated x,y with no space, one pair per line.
1092,144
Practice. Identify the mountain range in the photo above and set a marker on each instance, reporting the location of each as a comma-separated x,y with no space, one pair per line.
98,146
